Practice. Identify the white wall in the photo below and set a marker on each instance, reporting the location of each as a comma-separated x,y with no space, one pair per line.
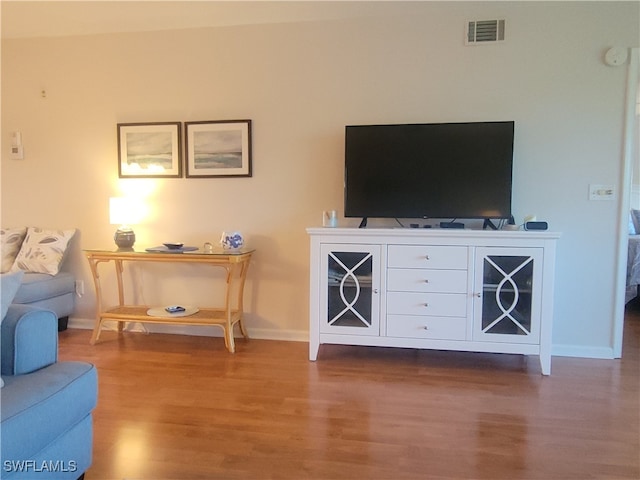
635,155
301,84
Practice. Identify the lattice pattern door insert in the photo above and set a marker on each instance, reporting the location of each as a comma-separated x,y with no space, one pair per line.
350,289
507,301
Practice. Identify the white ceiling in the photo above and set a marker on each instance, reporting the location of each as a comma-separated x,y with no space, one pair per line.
23,19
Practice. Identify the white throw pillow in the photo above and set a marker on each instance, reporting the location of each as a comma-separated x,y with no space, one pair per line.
42,250
10,242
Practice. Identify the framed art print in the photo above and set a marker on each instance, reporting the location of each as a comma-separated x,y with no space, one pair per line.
149,150
218,148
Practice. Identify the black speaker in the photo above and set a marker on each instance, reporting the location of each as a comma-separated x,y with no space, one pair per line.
536,226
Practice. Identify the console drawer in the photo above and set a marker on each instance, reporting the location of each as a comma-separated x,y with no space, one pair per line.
436,304
427,256
427,280
414,326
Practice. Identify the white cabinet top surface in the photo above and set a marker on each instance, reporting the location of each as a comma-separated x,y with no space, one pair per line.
433,233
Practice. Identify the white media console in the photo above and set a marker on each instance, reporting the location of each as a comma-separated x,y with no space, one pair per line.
466,290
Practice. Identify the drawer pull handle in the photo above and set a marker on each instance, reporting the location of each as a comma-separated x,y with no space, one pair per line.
426,304
425,327
426,257
426,280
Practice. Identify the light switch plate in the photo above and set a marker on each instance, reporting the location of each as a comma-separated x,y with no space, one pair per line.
17,152
601,192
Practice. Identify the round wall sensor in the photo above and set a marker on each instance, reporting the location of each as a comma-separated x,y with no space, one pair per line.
616,56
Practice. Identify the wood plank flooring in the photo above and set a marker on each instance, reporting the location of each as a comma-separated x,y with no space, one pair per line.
180,407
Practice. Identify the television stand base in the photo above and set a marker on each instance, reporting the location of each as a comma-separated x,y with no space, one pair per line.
363,223
489,224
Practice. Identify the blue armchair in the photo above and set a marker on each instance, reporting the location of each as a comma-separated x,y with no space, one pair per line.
46,416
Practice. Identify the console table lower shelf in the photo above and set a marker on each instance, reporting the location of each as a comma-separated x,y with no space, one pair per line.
203,317
234,262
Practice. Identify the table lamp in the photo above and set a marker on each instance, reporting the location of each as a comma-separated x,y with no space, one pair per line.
124,212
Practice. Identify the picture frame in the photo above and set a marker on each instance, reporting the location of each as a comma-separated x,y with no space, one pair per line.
218,148
150,150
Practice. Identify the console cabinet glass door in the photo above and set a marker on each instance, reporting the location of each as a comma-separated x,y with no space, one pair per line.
507,288
349,302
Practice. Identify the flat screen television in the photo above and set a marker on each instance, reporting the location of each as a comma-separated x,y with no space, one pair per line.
435,170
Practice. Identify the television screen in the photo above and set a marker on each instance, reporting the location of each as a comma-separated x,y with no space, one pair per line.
439,170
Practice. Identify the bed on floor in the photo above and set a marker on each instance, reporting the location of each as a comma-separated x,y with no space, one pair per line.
633,257
633,268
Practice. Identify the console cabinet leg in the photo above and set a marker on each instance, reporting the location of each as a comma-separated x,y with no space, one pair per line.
313,350
545,364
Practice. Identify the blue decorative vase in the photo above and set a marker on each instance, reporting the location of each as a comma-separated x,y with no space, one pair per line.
231,240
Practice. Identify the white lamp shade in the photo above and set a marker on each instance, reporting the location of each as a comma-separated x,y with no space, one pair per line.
125,211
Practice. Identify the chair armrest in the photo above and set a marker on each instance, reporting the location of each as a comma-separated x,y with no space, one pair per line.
29,339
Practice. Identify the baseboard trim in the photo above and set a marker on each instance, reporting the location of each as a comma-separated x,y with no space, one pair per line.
301,336
582,352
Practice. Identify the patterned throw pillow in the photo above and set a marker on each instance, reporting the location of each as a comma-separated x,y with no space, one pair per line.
42,250
10,243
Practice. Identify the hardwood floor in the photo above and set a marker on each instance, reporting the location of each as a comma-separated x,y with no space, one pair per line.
179,407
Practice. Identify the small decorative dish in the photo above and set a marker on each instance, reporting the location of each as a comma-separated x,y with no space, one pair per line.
173,246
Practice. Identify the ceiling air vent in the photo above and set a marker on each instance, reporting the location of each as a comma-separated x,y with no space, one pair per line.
481,32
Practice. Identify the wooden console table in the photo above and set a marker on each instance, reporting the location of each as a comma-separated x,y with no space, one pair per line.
235,262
